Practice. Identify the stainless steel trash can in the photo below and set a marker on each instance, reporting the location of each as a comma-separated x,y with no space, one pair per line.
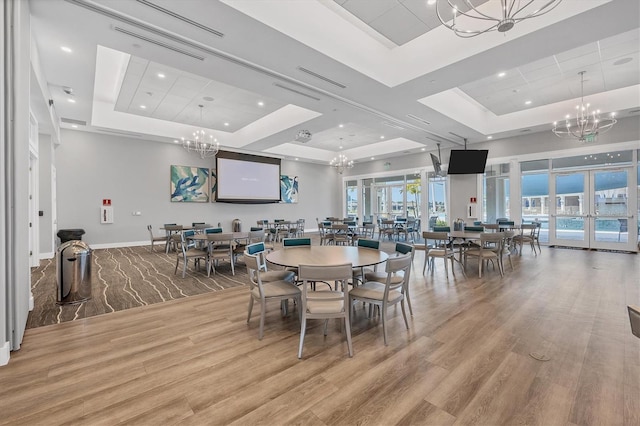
73,267
236,225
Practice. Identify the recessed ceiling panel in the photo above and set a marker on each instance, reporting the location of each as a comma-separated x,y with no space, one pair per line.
157,91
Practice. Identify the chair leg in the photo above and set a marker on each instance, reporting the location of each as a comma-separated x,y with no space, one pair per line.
446,268
384,323
263,313
250,309
303,329
184,267
326,325
404,314
176,269
347,328
408,299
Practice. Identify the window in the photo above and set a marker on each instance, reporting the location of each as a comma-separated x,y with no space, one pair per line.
437,200
352,198
535,194
496,193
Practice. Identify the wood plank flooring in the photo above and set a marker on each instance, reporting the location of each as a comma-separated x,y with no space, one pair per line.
464,360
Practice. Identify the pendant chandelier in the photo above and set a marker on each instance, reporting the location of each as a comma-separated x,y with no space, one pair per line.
587,123
203,144
468,21
340,163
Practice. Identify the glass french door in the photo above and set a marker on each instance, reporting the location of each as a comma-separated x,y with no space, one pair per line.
593,209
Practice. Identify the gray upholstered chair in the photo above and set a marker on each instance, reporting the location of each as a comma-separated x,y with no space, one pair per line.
261,291
187,250
490,249
259,250
437,245
153,238
387,293
325,304
401,249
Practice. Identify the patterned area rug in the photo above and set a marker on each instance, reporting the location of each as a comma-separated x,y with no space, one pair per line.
124,278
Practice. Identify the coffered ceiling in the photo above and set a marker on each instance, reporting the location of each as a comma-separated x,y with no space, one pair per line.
371,79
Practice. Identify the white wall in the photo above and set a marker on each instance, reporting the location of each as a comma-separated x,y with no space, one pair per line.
134,174
45,152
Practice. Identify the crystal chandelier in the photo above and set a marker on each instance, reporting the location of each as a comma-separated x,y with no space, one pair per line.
587,123
340,163
203,144
512,12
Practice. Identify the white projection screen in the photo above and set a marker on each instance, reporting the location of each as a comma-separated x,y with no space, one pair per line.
247,179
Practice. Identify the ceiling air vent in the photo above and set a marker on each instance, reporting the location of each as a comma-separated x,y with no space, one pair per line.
181,18
73,121
295,91
393,125
421,120
322,77
157,43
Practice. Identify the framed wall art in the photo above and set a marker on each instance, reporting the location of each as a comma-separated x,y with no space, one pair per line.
189,184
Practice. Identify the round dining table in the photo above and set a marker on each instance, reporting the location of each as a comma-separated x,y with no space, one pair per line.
327,256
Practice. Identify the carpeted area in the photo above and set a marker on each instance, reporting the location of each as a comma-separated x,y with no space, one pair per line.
124,278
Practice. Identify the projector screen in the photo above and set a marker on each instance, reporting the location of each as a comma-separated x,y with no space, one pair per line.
247,179
467,161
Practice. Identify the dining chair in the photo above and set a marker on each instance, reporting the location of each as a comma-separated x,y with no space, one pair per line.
439,248
259,250
326,233
172,229
368,230
490,249
153,238
507,247
188,251
401,249
387,293
526,235
341,234
325,304
359,272
262,291
220,248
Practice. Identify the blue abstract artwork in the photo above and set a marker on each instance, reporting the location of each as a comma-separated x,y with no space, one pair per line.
213,180
189,184
289,189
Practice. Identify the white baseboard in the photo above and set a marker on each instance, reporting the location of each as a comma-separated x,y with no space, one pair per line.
118,245
44,256
4,353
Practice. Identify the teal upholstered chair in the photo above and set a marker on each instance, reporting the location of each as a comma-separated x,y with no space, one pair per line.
296,242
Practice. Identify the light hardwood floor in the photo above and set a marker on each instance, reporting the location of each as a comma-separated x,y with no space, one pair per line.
464,360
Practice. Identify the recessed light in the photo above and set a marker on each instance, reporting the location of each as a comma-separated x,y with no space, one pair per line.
260,103
423,149
381,137
207,98
502,74
66,49
160,75
373,158
143,107
296,158
489,137
75,126
527,102
176,141
622,61
71,100
340,146
431,2
226,124
341,125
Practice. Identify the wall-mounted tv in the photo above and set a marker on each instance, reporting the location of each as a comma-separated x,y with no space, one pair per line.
437,166
467,161
247,179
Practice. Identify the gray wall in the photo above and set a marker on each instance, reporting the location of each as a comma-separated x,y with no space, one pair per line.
134,174
45,162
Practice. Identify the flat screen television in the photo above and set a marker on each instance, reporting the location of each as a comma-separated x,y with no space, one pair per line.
437,166
247,179
467,161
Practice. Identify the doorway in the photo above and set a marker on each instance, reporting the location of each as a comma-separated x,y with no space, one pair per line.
593,209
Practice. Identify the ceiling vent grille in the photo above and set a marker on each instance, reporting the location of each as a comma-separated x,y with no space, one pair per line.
421,120
181,18
393,125
322,77
158,43
296,91
73,121
118,132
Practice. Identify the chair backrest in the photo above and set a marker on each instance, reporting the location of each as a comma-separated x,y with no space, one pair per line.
368,229
197,223
296,242
350,222
252,249
150,230
528,229
403,248
374,244
256,228
441,229
340,227
339,274
256,236
502,219
189,233
170,224
253,270
395,265
262,222
278,220
474,228
213,230
493,241
440,239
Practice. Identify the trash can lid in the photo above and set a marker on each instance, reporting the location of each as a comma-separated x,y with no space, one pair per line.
74,247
